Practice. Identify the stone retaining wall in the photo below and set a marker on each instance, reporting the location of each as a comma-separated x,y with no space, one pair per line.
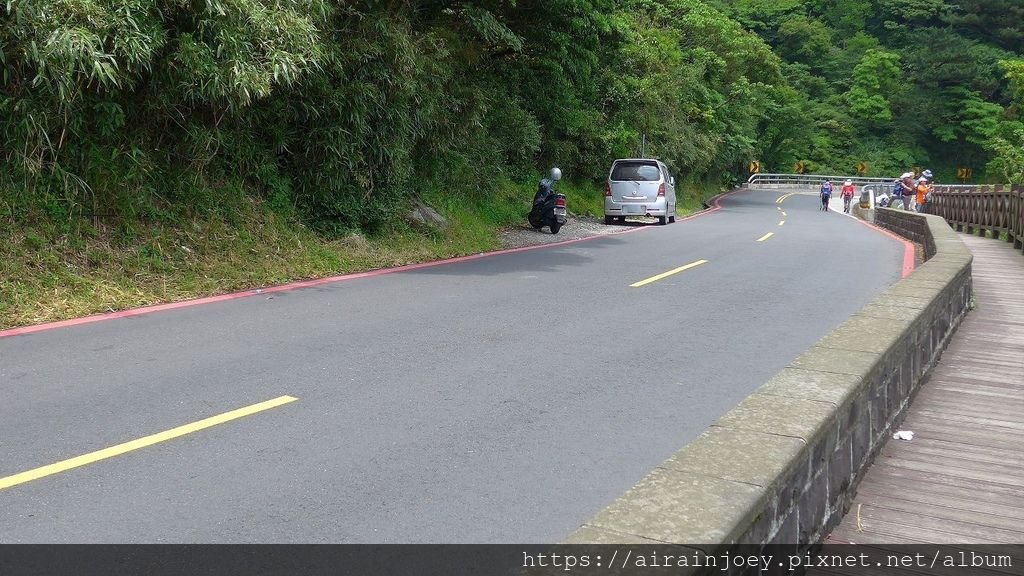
781,467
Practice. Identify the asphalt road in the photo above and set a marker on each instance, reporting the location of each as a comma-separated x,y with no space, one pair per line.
502,399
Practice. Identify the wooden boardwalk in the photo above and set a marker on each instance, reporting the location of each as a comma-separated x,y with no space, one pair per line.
961,479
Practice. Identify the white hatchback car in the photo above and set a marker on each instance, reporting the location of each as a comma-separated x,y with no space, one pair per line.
640,187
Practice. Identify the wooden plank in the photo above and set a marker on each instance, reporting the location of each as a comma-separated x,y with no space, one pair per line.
881,528
939,429
1000,408
945,509
1000,476
998,425
936,449
1004,406
986,492
1008,365
992,379
969,425
949,531
931,492
968,387
880,533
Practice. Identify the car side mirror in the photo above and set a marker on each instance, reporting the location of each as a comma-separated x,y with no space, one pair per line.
672,180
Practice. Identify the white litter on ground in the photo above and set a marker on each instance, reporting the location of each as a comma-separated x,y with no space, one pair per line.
903,435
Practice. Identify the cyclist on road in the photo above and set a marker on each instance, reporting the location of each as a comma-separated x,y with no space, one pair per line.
848,191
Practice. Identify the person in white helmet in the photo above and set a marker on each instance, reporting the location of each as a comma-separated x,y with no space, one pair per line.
848,192
906,186
923,191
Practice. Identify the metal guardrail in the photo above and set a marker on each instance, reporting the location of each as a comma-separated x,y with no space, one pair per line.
813,180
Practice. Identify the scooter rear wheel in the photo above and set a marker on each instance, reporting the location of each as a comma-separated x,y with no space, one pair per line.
555,228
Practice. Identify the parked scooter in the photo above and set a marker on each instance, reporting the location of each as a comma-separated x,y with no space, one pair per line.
548,205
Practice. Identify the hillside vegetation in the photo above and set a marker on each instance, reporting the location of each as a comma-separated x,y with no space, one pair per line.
154,150
896,84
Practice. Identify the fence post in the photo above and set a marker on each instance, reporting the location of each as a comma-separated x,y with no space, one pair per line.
1017,215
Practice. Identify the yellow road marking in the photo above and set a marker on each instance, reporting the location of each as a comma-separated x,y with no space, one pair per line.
119,449
783,213
766,236
667,274
782,222
784,197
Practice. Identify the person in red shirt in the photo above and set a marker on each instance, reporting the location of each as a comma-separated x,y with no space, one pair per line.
848,192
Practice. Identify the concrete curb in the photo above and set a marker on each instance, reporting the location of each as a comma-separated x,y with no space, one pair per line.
781,468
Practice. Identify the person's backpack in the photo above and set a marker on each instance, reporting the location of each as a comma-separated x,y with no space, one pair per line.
897,190
826,189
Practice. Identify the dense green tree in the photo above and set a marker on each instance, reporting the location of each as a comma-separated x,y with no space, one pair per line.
999,22
338,112
1006,139
875,79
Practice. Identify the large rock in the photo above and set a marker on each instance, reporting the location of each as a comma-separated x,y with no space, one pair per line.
423,216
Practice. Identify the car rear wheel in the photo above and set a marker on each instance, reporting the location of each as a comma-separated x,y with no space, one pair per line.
609,219
672,218
662,220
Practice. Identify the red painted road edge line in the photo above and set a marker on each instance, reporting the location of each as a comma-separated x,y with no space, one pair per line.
715,206
909,252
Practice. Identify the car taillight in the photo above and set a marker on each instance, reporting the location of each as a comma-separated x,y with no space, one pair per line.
560,202
608,190
661,190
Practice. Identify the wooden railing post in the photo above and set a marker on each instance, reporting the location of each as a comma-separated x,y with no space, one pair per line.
987,209
1017,216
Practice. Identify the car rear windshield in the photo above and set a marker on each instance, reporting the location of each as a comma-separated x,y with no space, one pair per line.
639,171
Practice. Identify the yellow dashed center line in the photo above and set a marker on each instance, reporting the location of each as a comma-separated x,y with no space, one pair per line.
782,222
783,213
766,236
119,449
667,274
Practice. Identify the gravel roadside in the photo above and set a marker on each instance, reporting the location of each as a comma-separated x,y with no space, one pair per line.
577,227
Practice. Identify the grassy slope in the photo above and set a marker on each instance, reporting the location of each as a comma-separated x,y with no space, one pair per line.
48,272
